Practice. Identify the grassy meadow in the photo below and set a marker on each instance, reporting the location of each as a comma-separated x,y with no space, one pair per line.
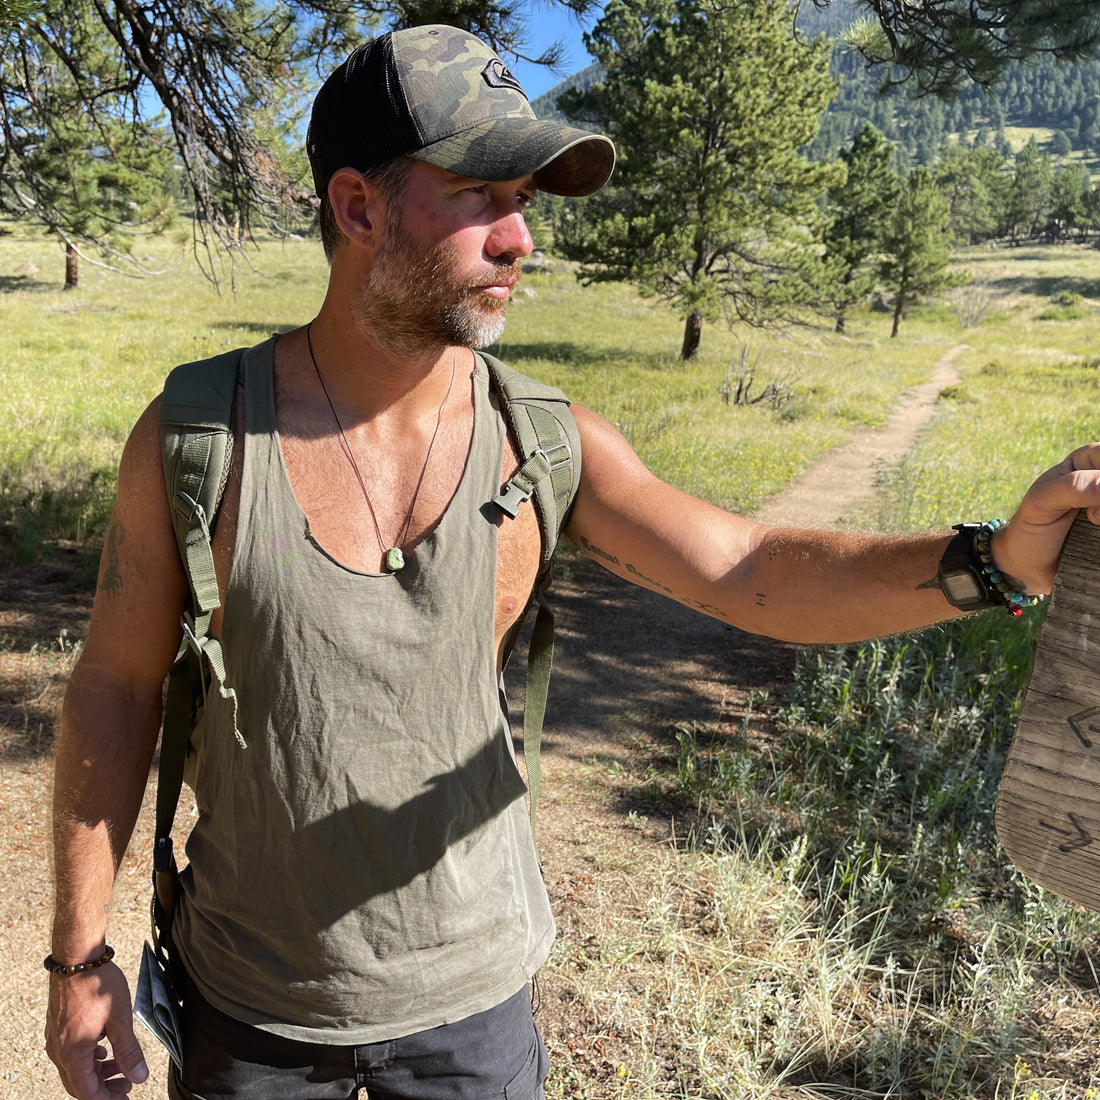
839,921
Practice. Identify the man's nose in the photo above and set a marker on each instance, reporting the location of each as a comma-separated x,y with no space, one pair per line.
510,237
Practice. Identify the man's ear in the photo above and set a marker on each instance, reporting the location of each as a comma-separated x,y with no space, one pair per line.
358,207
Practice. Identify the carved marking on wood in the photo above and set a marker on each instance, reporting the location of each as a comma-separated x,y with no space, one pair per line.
1088,721
1079,841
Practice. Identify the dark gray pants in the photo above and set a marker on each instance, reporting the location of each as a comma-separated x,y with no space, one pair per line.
495,1055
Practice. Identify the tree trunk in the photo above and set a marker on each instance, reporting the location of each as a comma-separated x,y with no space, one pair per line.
693,333
839,323
899,301
72,266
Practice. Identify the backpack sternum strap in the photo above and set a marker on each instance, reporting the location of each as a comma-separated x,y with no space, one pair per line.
544,463
549,448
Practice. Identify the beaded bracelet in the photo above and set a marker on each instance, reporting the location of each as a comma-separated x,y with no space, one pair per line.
1013,599
67,970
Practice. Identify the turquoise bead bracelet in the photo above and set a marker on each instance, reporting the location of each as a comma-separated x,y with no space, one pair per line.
1013,599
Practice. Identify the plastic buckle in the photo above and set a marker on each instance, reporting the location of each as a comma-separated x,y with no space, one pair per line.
515,493
162,853
511,498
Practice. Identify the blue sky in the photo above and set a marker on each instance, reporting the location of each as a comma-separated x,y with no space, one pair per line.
545,24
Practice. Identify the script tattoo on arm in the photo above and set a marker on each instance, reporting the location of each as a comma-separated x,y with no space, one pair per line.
596,552
112,575
635,574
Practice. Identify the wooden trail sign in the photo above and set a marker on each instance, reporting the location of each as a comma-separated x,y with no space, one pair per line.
1048,809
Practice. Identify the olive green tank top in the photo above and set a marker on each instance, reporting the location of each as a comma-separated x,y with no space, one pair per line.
364,869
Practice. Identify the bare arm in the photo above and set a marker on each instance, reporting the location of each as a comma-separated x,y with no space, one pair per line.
109,725
802,586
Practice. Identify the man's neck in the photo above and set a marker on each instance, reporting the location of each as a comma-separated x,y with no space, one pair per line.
364,376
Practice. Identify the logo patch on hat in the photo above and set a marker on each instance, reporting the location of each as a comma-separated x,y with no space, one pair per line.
497,75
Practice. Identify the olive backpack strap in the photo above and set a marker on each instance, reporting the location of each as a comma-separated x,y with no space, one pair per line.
196,422
549,472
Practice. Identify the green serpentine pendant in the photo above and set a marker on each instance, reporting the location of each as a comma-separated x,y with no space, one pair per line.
395,560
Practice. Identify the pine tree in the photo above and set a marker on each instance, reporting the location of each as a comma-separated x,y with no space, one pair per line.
860,209
714,207
1029,195
89,185
1060,145
1067,199
917,246
939,44
101,194
974,183
222,72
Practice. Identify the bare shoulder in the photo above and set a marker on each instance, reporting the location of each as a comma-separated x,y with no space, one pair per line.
646,530
607,459
134,628
614,478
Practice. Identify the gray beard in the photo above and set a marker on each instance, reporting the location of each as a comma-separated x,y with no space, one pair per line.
414,304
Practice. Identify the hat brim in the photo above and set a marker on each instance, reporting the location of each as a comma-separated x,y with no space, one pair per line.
563,159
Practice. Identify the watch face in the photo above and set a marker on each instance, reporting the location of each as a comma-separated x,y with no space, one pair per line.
961,588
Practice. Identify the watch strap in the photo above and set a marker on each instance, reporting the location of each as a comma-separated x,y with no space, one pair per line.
961,563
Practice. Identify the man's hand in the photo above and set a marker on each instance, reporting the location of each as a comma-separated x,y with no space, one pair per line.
86,1010
1028,549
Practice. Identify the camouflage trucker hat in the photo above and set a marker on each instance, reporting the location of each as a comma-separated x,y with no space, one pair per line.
443,96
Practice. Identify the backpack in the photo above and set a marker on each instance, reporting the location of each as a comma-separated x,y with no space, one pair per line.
196,418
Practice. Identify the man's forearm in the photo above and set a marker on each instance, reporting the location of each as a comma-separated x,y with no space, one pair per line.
818,586
795,585
102,764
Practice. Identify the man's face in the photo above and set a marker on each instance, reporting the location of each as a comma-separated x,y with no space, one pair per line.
448,283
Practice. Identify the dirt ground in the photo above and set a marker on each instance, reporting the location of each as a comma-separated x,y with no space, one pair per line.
624,658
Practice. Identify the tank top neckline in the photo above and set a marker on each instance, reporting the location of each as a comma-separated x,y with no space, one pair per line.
479,383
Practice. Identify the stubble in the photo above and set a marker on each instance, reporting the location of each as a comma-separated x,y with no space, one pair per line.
416,301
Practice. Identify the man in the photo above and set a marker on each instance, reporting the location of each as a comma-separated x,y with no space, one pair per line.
363,907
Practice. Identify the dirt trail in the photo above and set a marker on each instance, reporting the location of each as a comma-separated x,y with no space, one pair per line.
844,477
629,663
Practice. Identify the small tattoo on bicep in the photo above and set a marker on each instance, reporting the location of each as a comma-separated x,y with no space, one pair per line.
112,574
761,599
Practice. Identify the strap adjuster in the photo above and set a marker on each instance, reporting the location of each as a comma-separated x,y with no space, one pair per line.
190,638
539,464
557,454
193,512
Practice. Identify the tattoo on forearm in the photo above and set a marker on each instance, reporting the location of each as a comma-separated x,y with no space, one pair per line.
596,552
112,575
649,582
